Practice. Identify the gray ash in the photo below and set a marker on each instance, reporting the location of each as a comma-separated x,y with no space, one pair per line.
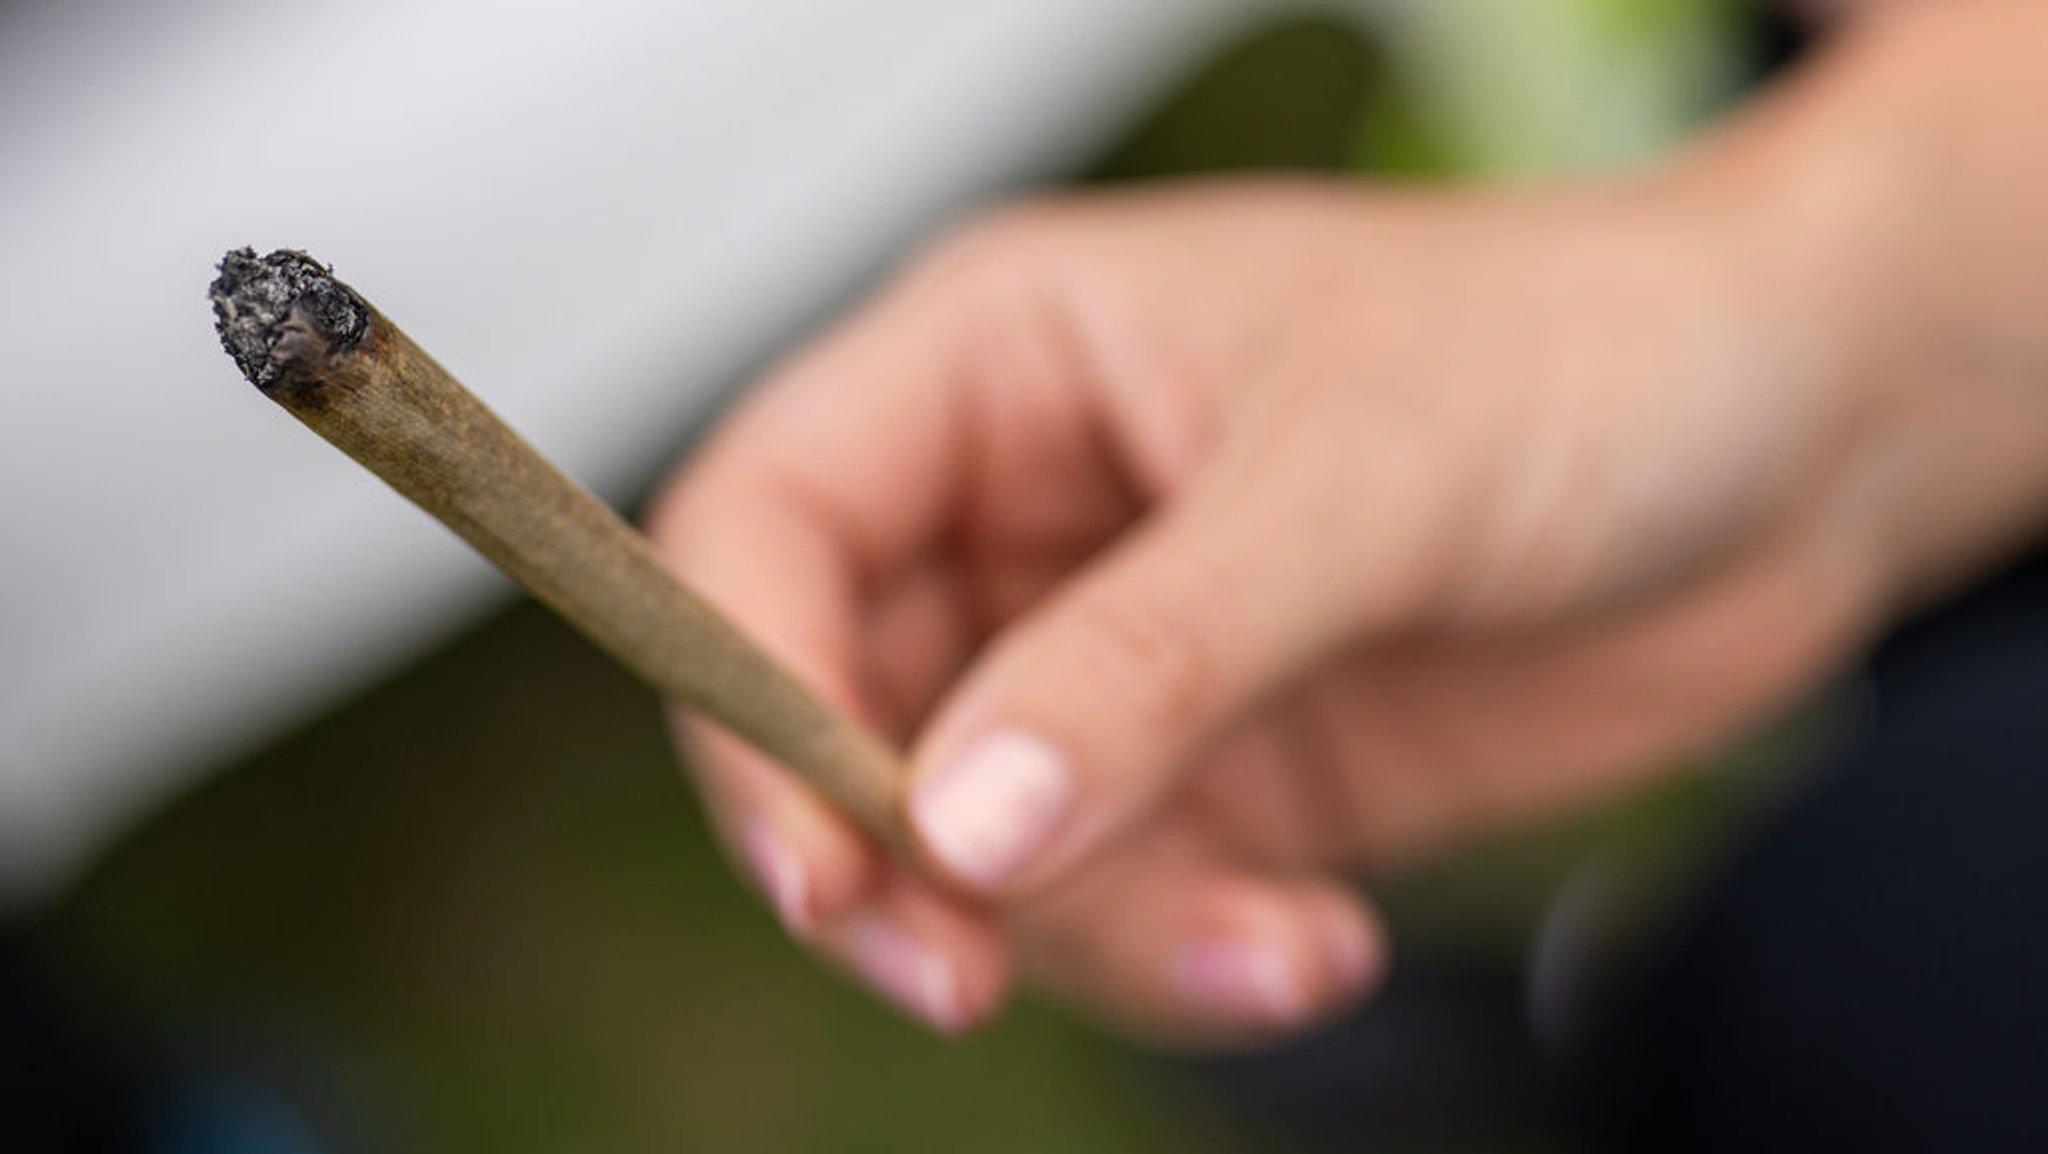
257,299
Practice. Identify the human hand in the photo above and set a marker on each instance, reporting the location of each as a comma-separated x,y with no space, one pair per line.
1214,543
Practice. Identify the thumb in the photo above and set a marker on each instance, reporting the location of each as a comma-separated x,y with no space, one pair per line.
1083,713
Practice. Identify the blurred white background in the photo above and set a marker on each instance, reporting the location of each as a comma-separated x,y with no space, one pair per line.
598,215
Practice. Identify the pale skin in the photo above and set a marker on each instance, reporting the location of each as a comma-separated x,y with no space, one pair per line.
1212,548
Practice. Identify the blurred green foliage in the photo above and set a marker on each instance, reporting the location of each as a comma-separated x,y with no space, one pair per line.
480,895
1517,88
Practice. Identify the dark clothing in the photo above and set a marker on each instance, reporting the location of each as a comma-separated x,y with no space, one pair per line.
1872,973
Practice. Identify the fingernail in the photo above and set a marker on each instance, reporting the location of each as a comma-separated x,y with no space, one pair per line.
906,971
782,877
985,813
1241,978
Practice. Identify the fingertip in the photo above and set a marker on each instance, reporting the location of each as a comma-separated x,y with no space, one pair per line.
940,965
1242,980
806,860
983,815
1271,958
977,985
985,974
906,970
782,876
1354,948
839,865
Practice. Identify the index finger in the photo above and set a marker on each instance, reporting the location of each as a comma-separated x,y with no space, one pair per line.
837,472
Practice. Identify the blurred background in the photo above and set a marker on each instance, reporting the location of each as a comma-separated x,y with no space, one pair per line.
314,836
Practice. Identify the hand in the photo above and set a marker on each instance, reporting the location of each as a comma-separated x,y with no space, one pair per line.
1214,543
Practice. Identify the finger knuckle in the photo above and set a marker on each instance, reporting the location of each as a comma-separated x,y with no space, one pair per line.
668,518
996,245
1161,669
